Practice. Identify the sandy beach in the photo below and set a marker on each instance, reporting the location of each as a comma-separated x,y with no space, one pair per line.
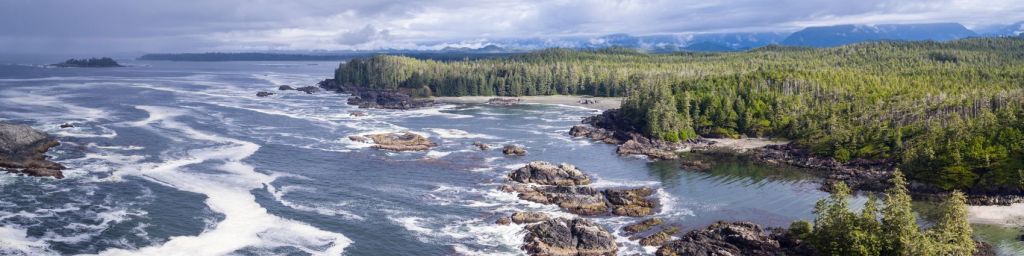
1012,215
603,103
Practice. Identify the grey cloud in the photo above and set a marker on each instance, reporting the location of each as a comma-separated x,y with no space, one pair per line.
365,35
197,25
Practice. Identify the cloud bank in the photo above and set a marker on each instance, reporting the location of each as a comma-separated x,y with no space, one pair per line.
84,26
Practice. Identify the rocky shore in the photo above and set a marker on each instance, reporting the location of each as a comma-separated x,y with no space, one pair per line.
23,149
859,174
376,98
567,187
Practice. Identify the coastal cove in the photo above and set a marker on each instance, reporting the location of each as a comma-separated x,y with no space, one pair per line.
196,156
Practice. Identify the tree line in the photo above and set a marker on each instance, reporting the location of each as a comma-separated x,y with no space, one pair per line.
947,113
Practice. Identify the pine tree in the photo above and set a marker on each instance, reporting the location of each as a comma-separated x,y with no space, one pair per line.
899,224
952,234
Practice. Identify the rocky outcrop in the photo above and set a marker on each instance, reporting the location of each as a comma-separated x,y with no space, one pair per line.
504,220
562,236
545,173
858,174
386,99
566,188
284,88
630,202
594,133
985,249
66,125
22,150
582,200
329,84
398,141
725,238
503,101
641,226
529,217
659,238
263,94
514,150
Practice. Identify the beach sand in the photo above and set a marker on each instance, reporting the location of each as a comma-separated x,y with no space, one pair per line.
603,103
1012,215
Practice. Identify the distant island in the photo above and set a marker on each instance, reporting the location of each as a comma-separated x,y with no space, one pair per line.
104,62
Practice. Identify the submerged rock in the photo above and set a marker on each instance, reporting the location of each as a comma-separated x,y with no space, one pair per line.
642,226
308,89
529,217
562,236
400,141
724,238
22,150
545,173
66,125
514,150
696,165
285,88
357,113
263,94
481,146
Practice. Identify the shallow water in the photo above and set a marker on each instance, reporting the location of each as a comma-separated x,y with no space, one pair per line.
182,157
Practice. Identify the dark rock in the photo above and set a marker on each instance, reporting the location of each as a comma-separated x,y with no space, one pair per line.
529,217
514,150
696,165
401,141
503,101
481,145
562,236
642,226
659,238
545,173
858,174
724,238
358,138
386,99
984,249
263,94
630,202
66,125
308,89
594,133
582,200
645,147
285,88
22,150
357,113
330,85
503,221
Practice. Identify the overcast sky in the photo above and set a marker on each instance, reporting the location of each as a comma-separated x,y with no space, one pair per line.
103,26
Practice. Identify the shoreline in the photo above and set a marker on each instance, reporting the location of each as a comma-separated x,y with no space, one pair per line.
603,103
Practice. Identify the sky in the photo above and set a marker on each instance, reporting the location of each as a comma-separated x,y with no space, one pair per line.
124,26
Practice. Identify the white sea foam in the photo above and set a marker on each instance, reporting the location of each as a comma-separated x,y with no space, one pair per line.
322,209
245,222
15,241
458,134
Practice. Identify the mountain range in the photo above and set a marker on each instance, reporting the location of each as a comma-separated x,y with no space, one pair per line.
819,36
